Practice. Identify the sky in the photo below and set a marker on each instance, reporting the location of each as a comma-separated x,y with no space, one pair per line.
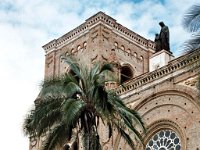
26,25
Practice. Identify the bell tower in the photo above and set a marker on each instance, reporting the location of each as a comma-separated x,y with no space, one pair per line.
101,39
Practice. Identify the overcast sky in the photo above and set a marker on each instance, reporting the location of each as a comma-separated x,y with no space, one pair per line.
26,25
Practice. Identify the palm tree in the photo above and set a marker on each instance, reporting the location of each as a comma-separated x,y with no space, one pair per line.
71,106
191,22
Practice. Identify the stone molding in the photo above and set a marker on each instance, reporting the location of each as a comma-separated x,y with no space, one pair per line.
164,125
174,67
179,90
92,21
190,100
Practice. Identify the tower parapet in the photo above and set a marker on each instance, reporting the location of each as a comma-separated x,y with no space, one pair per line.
100,17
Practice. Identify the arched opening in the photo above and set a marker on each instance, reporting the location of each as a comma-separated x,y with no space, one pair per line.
116,44
126,73
128,51
135,54
122,47
84,44
78,47
73,50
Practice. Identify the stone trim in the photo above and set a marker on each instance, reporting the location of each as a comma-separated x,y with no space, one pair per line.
173,66
99,17
165,125
175,90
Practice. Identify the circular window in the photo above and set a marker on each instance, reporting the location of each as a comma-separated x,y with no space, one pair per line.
164,140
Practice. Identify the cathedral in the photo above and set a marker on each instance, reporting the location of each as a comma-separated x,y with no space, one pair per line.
159,86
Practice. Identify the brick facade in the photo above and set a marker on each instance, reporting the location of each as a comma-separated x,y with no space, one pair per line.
166,98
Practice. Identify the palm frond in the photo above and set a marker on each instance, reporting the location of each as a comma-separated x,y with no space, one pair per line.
48,121
73,66
52,91
125,136
69,78
94,71
56,137
47,113
106,67
71,89
51,81
128,116
28,127
102,76
123,110
72,110
128,124
193,43
132,115
52,86
191,20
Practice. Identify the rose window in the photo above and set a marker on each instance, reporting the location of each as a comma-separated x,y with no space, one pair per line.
164,140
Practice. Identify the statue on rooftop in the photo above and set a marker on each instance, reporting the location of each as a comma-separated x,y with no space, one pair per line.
157,42
164,37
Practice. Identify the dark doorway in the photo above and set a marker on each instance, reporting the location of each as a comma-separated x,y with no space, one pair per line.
126,74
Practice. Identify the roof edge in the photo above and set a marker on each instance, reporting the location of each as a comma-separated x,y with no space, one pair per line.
100,16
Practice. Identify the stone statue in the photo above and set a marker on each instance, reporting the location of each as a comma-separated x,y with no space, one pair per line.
157,43
164,36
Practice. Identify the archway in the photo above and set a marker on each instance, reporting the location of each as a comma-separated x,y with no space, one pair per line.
179,108
126,73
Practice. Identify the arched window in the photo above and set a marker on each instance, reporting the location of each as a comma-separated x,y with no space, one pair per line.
84,44
78,47
73,50
122,47
135,54
116,44
141,58
126,73
128,51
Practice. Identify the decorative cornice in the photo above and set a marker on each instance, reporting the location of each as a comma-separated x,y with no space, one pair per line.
91,22
164,124
173,66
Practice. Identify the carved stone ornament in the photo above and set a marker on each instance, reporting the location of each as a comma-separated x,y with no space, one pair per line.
191,82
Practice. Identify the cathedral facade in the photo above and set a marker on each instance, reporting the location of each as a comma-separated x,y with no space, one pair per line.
160,87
